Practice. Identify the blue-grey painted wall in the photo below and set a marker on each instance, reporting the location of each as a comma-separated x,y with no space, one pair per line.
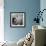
28,6
43,6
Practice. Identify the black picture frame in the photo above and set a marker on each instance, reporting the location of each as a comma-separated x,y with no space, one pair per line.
17,19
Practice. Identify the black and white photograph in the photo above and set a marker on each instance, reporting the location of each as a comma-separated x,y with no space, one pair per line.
17,19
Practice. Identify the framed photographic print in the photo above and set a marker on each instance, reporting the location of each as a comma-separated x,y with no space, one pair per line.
17,19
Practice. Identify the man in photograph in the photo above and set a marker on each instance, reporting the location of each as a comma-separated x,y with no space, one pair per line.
17,20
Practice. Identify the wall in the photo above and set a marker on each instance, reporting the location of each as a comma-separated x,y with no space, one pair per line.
28,6
43,6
